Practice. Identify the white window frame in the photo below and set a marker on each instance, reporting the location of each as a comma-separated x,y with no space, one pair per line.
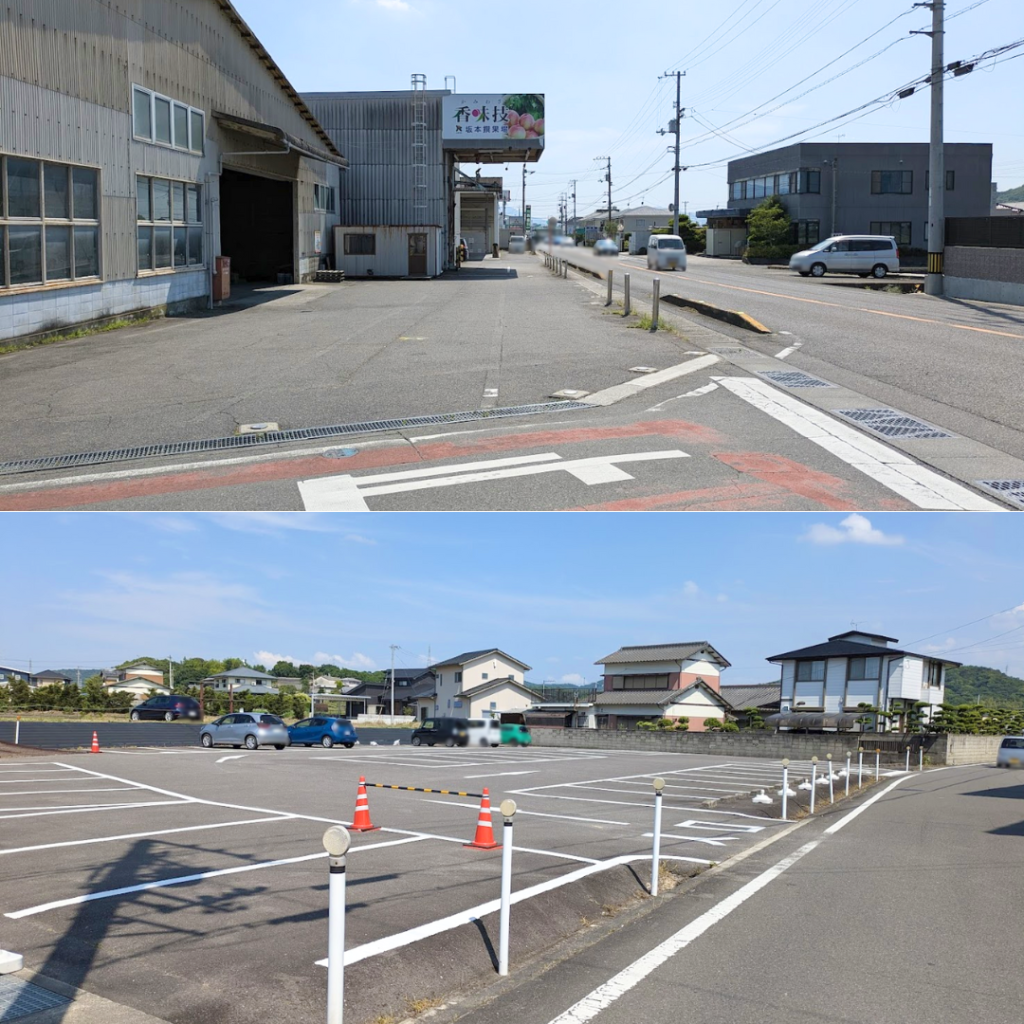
323,198
190,144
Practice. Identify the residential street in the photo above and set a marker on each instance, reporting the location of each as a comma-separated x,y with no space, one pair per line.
895,918
694,416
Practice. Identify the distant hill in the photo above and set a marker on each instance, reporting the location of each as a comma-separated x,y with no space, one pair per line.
1011,195
966,684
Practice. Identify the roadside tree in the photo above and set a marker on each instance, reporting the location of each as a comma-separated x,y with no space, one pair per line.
769,231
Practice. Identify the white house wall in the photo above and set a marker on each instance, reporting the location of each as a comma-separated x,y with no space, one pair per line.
697,705
908,686
835,684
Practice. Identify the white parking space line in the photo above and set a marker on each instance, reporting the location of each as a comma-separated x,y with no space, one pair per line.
23,782
230,757
501,775
163,883
144,835
45,792
49,771
532,814
42,812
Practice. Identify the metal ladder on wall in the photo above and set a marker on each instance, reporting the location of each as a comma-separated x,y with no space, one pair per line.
419,147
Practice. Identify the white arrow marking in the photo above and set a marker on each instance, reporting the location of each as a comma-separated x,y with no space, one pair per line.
721,841
345,493
230,757
719,827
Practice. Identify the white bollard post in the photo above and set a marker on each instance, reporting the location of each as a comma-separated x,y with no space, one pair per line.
655,303
848,756
336,842
659,785
814,780
920,758
611,274
860,767
625,288
785,785
17,730
508,811
831,791
878,761
908,760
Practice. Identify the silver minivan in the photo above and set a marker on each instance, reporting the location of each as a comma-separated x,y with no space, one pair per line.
866,255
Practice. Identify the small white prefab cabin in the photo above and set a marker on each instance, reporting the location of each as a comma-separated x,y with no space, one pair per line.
389,251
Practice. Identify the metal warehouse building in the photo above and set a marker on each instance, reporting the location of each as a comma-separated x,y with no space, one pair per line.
138,142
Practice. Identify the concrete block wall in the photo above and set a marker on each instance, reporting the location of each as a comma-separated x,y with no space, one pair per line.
983,272
971,749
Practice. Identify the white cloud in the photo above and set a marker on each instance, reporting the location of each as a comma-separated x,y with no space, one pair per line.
854,529
946,645
1010,618
356,538
722,598
171,524
393,5
272,522
355,660
573,679
689,587
270,659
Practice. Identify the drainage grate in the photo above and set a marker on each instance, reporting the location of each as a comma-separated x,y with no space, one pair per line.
890,423
149,451
1008,490
20,998
794,379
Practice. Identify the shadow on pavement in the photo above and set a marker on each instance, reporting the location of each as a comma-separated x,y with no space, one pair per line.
479,274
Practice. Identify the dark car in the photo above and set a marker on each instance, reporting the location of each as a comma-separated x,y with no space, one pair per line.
452,732
166,708
323,730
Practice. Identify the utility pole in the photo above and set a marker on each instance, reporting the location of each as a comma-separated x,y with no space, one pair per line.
933,284
170,672
573,183
673,129
608,178
394,647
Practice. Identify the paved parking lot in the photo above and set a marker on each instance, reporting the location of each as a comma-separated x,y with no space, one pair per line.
162,878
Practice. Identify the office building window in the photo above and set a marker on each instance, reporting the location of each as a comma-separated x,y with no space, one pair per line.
808,232
166,122
892,183
360,245
950,180
49,222
169,224
736,190
899,229
809,181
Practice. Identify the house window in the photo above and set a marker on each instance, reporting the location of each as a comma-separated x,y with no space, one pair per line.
49,222
494,705
810,671
483,675
323,198
458,677
808,232
810,685
934,673
166,122
169,229
645,682
360,245
892,183
899,229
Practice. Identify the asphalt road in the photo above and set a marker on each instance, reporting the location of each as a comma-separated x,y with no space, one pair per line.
911,912
191,884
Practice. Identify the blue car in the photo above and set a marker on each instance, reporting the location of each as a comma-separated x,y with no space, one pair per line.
325,731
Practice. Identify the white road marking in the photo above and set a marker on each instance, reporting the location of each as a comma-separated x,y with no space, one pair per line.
142,835
230,757
532,814
40,812
346,493
629,388
501,775
921,486
45,792
697,392
787,352
163,883
720,828
706,840
14,771
15,782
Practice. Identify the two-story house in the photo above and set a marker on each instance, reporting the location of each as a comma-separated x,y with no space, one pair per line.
137,679
856,668
236,680
476,684
661,681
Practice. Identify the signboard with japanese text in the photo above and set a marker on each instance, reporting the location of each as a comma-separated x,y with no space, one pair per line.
498,120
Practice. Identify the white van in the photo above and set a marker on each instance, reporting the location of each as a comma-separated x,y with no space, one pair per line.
666,252
874,255
484,732
517,243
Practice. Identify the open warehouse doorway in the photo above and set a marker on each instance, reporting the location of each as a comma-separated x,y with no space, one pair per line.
257,226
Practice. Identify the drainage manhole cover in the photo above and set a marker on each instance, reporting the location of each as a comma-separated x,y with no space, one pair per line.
19,998
1008,490
794,379
890,423
340,453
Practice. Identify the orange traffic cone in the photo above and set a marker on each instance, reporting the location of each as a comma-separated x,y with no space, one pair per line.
484,839
95,748
361,822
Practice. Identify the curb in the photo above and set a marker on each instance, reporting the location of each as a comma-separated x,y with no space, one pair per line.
729,316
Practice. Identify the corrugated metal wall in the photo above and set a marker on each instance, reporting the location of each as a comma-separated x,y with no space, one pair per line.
374,131
392,256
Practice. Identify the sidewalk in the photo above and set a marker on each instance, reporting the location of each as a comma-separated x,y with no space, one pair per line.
29,998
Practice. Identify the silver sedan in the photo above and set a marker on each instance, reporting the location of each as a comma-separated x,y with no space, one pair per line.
251,730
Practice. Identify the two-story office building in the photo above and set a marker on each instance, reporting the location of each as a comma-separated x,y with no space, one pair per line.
869,188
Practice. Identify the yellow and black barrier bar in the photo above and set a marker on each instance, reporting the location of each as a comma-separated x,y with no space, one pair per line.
417,789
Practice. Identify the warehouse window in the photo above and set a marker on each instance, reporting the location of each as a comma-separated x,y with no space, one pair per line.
166,122
360,245
169,232
49,222
892,183
323,198
899,229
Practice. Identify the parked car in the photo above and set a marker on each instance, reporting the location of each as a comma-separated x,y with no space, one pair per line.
666,252
516,243
452,732
322,730
874,255
606,247
166,708
484,732
515,734
1011,753
565,241
251,730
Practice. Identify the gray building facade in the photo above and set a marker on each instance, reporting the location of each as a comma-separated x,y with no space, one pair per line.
140,141
876,188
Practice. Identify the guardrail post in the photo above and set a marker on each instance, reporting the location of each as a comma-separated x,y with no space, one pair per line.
336,842
508,811
814,780
609,300
659,785
655,302
625,287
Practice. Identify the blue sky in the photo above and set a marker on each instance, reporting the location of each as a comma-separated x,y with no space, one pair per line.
598,63
555,591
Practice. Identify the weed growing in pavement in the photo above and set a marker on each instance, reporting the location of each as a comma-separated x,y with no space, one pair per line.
82,332
418,1006
643,322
